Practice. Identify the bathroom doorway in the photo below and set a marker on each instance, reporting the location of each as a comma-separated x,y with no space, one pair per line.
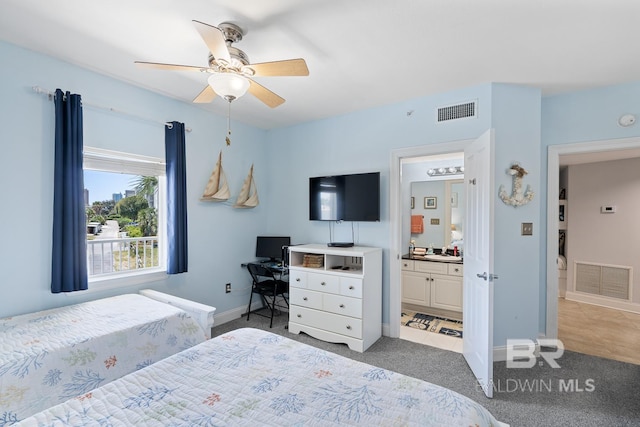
413,166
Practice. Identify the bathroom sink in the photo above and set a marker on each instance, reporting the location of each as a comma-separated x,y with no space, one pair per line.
445,258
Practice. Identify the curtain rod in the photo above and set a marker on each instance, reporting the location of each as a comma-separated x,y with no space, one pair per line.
50,95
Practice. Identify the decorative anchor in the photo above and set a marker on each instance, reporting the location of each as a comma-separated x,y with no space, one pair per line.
517,198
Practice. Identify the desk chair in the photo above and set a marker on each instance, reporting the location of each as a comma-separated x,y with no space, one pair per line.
268,287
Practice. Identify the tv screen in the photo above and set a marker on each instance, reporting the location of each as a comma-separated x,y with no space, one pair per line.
271,247
354,197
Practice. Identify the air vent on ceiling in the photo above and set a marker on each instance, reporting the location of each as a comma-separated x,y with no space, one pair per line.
458,111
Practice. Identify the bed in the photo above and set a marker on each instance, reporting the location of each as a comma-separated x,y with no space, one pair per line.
253,377
50,356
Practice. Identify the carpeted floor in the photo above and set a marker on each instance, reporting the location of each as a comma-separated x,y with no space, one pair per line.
431,323
584,391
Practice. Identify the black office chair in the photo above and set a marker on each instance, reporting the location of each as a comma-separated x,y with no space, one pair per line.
268,287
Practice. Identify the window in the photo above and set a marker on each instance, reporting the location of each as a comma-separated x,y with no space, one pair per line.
126,219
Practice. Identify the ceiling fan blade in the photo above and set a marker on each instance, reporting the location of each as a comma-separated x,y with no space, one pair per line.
264,94
288,67
176,67
207,95
214,39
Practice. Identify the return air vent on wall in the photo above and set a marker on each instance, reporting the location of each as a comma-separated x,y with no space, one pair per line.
458,111
605,280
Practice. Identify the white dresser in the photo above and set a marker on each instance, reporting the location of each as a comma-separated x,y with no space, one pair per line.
340,301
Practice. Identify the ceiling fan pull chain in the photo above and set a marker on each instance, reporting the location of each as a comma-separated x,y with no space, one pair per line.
227,139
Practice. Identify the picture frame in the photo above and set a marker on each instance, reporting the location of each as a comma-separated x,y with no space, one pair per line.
413,202
430,202
454,199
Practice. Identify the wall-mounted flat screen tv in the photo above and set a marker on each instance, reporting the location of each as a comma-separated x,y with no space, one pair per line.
354,197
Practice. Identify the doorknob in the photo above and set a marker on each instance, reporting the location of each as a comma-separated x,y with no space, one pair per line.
484,276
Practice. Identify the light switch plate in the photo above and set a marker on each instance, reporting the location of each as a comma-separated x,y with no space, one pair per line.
527,229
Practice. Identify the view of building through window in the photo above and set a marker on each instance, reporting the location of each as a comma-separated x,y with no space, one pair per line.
122,222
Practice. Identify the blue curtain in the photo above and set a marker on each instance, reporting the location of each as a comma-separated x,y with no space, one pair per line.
176,198
69,255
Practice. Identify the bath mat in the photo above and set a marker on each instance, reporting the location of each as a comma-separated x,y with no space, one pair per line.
430,323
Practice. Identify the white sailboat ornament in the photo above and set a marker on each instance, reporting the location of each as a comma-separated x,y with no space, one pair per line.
248,197
217,189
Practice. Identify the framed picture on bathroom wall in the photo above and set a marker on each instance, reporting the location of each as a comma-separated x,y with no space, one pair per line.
430,202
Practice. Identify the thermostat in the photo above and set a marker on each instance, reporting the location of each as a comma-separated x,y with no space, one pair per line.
607,209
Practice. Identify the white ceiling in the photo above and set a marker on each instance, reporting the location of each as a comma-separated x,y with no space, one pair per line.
360,53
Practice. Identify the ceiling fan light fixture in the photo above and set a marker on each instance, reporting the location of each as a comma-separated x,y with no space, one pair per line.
228,85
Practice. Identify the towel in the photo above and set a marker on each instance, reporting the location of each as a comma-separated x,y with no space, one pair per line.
417,225
562,262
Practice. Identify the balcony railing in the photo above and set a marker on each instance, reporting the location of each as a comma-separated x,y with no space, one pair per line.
108,256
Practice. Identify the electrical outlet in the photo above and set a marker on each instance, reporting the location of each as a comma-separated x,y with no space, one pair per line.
227,288
527,229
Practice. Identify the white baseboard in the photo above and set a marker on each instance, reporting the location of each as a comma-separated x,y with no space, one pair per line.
500,353
603,301
233,314
385,330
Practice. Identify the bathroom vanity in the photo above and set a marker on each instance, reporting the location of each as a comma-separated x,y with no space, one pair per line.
432,284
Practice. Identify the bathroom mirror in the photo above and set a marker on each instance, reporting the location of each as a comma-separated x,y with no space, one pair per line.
437,213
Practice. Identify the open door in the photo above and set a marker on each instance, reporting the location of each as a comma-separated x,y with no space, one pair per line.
478,260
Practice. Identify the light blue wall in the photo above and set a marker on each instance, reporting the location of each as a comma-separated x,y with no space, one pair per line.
588,115
516,120
352,143
220,238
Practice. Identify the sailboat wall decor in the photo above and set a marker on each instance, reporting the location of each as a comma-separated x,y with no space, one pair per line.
248,197
217,189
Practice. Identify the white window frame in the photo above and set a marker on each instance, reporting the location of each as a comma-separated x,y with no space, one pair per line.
100,159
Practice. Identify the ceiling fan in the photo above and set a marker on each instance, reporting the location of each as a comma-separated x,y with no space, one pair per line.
229,67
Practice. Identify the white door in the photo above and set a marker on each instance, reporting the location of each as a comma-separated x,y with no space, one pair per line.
478,260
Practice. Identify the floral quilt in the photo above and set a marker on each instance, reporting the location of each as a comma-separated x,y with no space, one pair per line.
54,355
250,377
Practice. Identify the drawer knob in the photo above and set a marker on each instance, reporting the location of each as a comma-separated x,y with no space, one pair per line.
349,327
299,315
304,298
341,305
323,283
456,269
297,279
351,287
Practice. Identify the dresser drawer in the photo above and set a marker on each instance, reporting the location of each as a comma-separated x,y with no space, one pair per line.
305,298
323,283
326,321
342,305
297,279
407,264
455,269
351,287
